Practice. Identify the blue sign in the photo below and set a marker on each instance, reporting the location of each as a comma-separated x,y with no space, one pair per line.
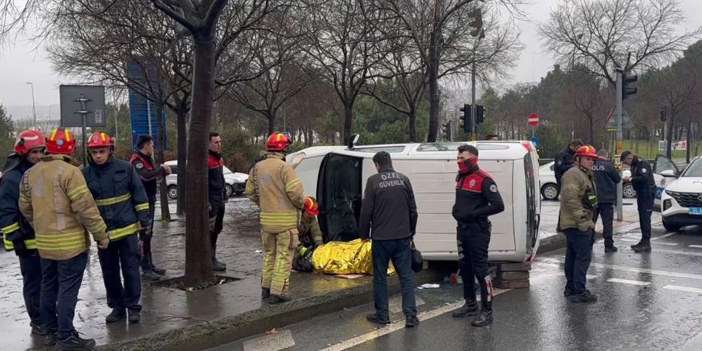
535,141
141,108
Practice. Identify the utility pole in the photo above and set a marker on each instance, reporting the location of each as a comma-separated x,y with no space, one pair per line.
472,102
619,145
34,107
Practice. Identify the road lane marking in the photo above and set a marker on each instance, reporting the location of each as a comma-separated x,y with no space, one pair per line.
676,252
629,240
635,270
683,288
662,243
696,246
270,342
663,236
627,281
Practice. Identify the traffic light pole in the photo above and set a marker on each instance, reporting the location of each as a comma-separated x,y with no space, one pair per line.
473,105
620,137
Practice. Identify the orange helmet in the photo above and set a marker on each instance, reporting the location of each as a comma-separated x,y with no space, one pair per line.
586,151
277,142
311,206
27,140
100,139
60,141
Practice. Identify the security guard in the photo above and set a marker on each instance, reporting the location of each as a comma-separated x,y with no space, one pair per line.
578,202
217,195
564,160
122,201
144,165
16,231
275,188
56,202
645,186
477,198
310,236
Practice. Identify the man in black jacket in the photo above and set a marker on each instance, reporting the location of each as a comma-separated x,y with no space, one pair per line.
217,195
564,160
144,165
389,215
606,180
477,198
645,186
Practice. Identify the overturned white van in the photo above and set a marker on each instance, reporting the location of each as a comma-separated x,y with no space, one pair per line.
337,175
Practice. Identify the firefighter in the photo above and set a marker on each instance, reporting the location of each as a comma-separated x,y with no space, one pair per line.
16,231
56,202
645,186
275,188
144,164
578,203
477,197
124,207
309,234
217,195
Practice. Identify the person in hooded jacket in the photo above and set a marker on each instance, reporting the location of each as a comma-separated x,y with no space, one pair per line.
17,234
124,207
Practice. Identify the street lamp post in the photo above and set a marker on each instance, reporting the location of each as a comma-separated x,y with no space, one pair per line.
34,107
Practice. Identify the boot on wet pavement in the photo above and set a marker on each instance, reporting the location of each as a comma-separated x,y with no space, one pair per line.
116,315
149,275
216,265
276,299
468,310
265,293
374,318
159,271
484,318
642,247
38,329
611,248
75,343
411,322
586,297
134,316
50,338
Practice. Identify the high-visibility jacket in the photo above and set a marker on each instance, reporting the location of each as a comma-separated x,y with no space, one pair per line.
55,200
120,196
13,225
275,188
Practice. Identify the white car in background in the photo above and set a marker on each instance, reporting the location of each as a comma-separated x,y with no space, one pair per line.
682,197
236,182
549,187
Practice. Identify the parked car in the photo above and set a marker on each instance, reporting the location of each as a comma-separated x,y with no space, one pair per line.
681,198
550,190
236,182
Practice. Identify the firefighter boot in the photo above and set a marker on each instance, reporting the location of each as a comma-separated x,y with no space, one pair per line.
116,315
469,309
134,316
265,293
485,316
643,246
276,299
216,265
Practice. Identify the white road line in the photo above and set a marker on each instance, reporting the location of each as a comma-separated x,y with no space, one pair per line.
662,243
629,240
635,270
347,344
696,246
627,281
270,342
675,252
663,236
683,288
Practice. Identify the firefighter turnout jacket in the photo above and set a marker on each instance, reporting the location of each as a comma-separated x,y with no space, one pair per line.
309,232
217,191
144,166
275,188
578,199
15,228
120,197
55,200
477,196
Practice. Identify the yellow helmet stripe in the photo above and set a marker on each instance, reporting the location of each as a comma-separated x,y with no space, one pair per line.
66,135
53,135
102,136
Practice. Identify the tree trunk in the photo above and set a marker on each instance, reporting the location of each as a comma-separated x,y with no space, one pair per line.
592,129
182,114
198,254
434,99
669,142
348,120
271,123
160,138
413,126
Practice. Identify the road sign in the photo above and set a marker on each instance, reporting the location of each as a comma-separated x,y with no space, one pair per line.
611,125
76,97
533,120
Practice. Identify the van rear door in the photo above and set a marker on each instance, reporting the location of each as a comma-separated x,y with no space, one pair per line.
339,192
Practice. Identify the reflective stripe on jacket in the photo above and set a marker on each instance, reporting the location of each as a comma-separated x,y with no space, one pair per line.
13,226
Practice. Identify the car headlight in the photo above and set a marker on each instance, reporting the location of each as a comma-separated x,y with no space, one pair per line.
669,193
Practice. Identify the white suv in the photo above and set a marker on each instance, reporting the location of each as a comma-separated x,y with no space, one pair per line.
236,182
682,198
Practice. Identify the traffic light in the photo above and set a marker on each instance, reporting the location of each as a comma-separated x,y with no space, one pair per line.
476,22
447,130
465,121
479,114
626,89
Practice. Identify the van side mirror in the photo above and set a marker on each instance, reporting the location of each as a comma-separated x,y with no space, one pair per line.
353,140
669,173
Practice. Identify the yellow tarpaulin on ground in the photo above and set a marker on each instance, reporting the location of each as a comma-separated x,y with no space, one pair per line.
339,257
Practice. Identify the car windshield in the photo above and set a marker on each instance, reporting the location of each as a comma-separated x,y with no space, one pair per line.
694,170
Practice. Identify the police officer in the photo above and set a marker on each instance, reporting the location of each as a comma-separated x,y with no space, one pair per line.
123,205
143,162
606,180
477,198
578,202
16,231
56,202
645,186
389,217
309,234
275,188
217,195
564,160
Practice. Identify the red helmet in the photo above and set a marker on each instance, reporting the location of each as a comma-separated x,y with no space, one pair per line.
60,141
277,142
28,140
99,139
586,151
311,206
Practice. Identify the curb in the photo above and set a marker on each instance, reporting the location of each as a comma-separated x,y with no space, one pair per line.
229,329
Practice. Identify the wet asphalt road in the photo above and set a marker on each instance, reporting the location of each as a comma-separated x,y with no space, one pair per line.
646,302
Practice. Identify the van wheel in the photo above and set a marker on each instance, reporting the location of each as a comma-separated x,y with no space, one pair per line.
628,191
670,227
173,192
550,191
229,189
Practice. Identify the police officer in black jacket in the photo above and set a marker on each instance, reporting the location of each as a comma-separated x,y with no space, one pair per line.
606,180
389,216
564,160
477,198
645,186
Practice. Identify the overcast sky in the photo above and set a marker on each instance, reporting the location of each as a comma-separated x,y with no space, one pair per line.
19,63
